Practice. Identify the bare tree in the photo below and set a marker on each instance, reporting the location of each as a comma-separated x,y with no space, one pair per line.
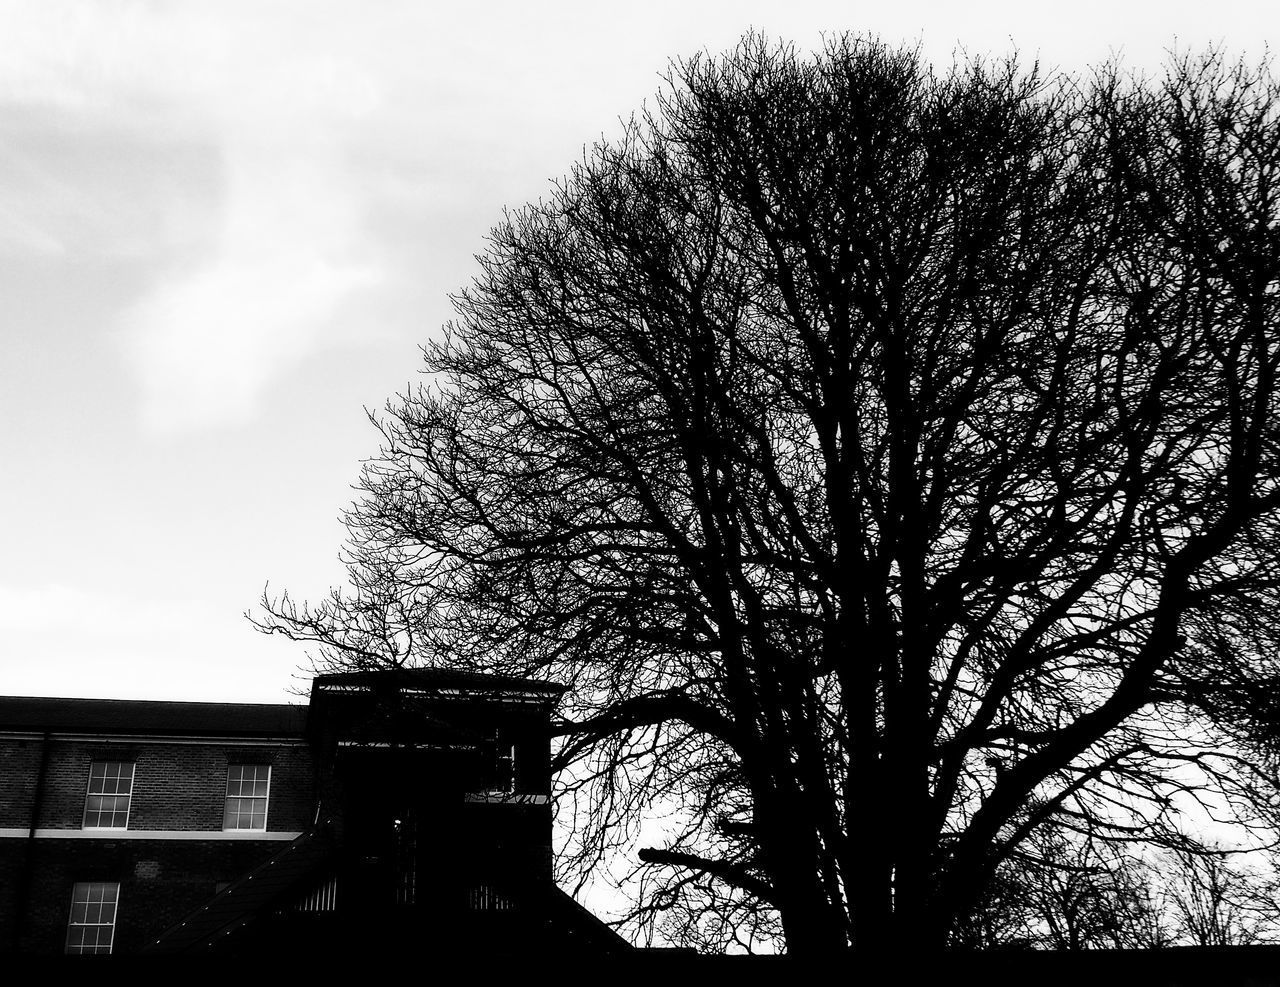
885,459
1218,903
1075,897
1068,892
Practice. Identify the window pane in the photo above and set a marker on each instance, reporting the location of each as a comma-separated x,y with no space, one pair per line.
91,924
247,793
106,804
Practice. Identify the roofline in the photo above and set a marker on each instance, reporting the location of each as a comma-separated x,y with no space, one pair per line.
155,702
82,716
448,682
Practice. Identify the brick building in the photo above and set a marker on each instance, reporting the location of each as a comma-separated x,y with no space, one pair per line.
398,811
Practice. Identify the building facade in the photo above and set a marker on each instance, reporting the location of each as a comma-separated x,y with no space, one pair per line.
398,810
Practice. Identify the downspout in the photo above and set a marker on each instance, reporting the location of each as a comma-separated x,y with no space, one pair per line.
24,876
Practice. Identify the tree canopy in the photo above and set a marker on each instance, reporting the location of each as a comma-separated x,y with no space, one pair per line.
886,459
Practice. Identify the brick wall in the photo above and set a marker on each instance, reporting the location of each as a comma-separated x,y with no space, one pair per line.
178,786
179,789
161,881
18,760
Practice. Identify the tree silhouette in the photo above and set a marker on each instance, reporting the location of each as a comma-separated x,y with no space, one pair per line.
1217,903
1063,892
885,459
1059,891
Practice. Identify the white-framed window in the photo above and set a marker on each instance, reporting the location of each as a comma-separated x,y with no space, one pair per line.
106,804
92,925
247,788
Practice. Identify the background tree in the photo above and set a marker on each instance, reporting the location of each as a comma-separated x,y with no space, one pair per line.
1076,895
1059,891
1216,902
885,459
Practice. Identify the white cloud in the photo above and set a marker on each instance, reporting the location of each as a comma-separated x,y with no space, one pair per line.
242,279
325,118
207,340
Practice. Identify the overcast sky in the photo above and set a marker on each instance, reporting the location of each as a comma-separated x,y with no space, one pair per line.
224,230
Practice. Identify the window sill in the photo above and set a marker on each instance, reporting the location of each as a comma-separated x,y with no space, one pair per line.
152,834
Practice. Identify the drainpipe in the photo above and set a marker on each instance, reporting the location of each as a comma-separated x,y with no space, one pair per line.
24,876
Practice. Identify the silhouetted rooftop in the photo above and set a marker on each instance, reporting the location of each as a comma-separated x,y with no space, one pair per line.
442,679
243,719
143,716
